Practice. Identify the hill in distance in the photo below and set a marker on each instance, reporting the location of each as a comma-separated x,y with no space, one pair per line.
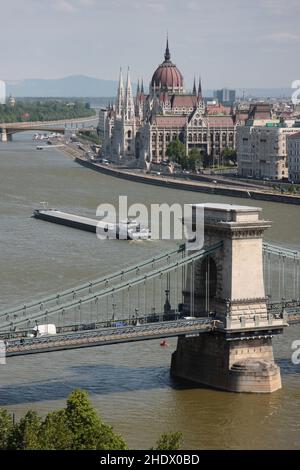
77,86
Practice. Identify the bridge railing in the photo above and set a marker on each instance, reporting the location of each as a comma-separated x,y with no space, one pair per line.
281,273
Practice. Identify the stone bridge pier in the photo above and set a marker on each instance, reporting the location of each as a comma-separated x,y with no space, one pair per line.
3,135
229,285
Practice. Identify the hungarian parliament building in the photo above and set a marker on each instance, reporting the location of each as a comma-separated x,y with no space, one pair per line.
139,128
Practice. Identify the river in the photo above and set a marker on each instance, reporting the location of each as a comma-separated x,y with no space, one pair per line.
129,384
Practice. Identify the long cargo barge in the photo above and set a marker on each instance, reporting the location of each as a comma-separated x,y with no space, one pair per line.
128,230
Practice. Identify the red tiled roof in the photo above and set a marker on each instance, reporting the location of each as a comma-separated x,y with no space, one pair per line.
184,101
220,121
170,121
262,116
294,136
218,109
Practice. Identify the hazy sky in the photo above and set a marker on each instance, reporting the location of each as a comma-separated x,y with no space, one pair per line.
235,43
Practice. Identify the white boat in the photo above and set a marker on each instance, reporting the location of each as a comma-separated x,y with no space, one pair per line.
142,234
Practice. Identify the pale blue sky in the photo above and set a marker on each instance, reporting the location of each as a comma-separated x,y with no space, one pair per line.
235,43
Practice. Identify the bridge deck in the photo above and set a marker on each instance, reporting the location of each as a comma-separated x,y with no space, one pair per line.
107,336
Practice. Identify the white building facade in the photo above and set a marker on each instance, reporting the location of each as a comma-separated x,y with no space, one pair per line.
262,148
293,150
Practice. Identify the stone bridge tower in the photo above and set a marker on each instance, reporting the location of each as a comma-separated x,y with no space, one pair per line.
229,285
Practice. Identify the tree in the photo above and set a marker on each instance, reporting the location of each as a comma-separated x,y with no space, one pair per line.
6,427
169,441
88,431
195,159
25,434
55,434
176,152
229,155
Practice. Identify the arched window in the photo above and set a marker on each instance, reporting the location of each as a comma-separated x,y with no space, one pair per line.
161,136
195,138
190,137
129,134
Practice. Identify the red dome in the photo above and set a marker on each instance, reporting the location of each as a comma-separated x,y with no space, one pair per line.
167,74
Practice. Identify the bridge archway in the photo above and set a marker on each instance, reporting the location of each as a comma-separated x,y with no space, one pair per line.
206,281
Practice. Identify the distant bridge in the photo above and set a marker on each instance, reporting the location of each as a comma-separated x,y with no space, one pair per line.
59,126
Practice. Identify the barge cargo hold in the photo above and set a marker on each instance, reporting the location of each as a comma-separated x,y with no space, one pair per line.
124,231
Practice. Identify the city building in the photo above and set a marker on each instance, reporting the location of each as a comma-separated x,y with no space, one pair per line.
225,96
293,151
262,144
139,129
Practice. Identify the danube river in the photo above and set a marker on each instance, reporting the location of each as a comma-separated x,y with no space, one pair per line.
129,384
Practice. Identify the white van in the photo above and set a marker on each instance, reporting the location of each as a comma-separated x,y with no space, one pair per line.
42,330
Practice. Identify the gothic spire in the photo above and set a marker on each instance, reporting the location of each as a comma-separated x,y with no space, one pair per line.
120,96
142,87
167,52
129,105
194,87
200,89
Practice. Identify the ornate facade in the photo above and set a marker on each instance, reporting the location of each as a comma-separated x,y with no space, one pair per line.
140,128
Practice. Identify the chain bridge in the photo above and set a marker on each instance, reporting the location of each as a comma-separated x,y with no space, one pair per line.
224,302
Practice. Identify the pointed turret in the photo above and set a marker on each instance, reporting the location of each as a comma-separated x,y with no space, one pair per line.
138,93
129,104
142,87
120,96
167,51
200,89
194,87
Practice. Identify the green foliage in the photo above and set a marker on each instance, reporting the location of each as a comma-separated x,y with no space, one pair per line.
75,427
88,431
44,110
195,159
169,441
55,433
290,188
25,434
176,152
229,155
6,426
91,136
